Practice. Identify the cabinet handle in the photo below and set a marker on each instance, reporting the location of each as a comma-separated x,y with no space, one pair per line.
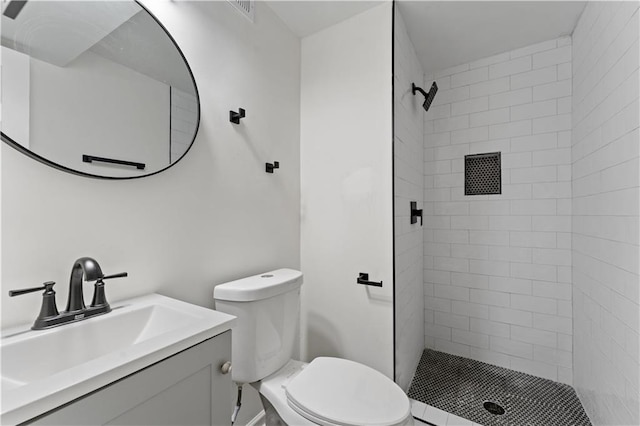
226,367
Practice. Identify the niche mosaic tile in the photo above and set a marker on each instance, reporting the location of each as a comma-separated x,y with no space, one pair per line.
461,386
482,174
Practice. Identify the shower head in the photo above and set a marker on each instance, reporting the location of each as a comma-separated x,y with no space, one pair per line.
428,97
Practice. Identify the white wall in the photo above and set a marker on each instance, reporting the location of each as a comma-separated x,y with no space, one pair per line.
605,148
97,107
346,179
498,267
408,186
213,217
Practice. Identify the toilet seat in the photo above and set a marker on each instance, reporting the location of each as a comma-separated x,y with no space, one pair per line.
339,392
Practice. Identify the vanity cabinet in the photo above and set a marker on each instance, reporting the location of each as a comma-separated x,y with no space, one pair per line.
187,388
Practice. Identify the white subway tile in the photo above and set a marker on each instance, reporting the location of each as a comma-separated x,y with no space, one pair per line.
510,316
561,156
533,78
469,222
494,116
489,298
510,254
451,348
535,368
493,145
529,271
510,285
510,67
466,78
451,236
510,223
558,89
490,87
552,257
491,328
451,123
552,323
534,110
564,105
437,331
555,123
534,304
469,251
470,338
511,129
450,264
446,96
535,142
469,280
533,207
473,134
560,291
533,239
511,347
473,310
516,160
470,106
511,98
534,175
492,238
552,356
552,57
489,267
552,223
451,320
534,336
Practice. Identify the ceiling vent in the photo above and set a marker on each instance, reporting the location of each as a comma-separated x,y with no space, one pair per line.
245,7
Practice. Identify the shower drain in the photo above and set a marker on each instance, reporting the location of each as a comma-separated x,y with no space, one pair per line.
493,408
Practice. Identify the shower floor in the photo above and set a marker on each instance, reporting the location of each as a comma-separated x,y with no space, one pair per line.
461,386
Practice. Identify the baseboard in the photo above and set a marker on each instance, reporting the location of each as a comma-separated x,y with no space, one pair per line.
258,420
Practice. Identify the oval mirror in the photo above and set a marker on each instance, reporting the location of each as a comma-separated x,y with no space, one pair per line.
95,88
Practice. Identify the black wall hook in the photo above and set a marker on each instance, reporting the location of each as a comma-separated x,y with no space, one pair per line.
271,166
235,117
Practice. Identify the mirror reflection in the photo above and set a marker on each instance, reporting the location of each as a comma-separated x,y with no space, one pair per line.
95,87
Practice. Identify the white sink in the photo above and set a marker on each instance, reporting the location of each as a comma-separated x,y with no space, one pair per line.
42,370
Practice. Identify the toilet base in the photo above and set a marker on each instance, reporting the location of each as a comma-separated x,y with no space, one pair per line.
271,417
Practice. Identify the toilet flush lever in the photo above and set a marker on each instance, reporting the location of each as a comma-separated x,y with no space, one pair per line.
363,278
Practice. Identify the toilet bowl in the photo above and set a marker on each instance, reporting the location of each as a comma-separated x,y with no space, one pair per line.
327,391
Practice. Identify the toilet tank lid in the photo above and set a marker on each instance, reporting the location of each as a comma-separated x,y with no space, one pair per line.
261,286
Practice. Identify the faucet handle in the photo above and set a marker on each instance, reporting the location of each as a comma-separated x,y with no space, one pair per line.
47,287
118,275
99,298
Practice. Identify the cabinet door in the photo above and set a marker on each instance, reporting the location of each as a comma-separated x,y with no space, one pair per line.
185,389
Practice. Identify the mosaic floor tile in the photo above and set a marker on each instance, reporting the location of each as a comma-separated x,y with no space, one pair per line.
461,386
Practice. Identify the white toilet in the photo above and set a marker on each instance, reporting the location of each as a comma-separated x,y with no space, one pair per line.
326,391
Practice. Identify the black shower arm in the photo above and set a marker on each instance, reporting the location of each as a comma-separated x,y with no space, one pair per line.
414,88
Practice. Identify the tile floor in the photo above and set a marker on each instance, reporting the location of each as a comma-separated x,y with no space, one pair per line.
451,390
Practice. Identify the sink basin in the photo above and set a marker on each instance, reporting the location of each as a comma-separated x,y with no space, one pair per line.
42,370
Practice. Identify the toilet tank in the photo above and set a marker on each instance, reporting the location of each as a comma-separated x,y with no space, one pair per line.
266,332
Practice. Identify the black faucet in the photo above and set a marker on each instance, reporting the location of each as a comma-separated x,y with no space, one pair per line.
86,268
91,270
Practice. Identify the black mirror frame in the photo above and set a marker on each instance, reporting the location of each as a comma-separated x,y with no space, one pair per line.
55,165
